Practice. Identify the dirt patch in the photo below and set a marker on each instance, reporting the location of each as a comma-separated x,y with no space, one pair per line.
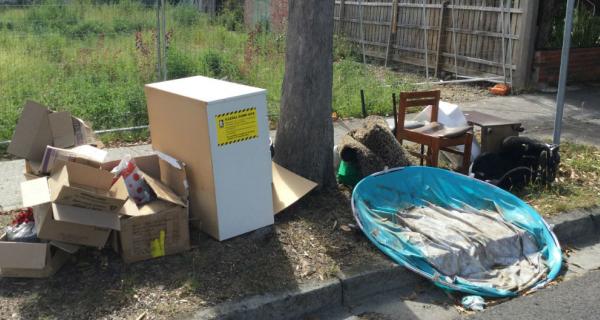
307,243
458,93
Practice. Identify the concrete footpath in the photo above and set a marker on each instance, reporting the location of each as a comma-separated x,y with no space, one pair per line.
581,119
535,111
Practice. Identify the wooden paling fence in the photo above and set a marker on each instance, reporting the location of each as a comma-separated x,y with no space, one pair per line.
490,39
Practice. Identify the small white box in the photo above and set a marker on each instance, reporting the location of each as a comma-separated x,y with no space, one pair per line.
220,130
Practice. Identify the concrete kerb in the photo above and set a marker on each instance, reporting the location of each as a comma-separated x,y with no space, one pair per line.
576,225
291,304
349,290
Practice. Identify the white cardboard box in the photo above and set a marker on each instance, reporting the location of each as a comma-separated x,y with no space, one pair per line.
220,130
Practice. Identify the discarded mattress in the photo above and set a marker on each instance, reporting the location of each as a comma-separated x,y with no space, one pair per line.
461,233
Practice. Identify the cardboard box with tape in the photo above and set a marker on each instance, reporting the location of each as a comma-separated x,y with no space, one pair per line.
160,227
220,130
38,127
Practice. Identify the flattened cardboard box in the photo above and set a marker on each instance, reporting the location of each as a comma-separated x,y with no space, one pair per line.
66,223
39,127
31,260
86,187
160,227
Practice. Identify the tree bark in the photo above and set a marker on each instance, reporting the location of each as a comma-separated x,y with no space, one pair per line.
549,9
304,141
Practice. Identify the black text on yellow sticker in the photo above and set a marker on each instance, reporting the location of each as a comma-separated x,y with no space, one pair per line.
236,126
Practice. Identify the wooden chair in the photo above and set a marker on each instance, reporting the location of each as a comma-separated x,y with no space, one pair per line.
433,135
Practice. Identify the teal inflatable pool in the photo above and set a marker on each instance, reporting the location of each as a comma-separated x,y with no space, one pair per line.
461,233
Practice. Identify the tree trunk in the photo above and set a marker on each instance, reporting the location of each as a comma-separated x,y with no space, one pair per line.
304,141
549,9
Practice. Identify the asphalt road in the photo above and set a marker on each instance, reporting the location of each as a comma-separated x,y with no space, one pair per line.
578,298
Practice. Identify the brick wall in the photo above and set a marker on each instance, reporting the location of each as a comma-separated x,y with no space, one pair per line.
584,65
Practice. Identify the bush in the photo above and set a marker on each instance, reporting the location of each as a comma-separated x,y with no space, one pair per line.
231,15
179,64
186,15
585,34
217,66
586,29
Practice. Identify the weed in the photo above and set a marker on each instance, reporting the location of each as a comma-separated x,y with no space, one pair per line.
180,64
345,50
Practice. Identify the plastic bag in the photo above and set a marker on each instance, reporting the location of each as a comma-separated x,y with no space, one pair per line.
22,228
137,187
475,303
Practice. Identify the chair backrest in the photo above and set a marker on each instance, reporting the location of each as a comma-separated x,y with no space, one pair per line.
418,99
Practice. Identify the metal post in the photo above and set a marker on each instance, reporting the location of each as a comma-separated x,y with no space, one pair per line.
164,35
392,31
454,41
395,113
158,40
425,22
362,31
503,42
564,64
362,103
510,45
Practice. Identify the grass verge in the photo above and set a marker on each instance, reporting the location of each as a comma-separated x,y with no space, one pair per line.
577,185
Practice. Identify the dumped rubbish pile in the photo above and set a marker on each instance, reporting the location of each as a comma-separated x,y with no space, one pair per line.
212,171
369,149
461,233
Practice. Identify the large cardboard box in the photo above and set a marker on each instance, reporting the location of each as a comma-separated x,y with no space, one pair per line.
160,227
65,223
86,187
31,260
39,127
220,130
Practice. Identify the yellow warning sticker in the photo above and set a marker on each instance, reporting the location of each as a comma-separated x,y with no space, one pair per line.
236,126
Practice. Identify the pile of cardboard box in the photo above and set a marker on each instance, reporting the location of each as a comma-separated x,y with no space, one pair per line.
77,202
211,143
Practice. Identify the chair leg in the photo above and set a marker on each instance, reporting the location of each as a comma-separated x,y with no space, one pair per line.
434,154
423,154
467,154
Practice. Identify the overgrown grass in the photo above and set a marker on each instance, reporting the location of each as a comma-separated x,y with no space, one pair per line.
577,184
94,60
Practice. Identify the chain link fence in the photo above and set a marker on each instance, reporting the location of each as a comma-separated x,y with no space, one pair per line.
94,59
